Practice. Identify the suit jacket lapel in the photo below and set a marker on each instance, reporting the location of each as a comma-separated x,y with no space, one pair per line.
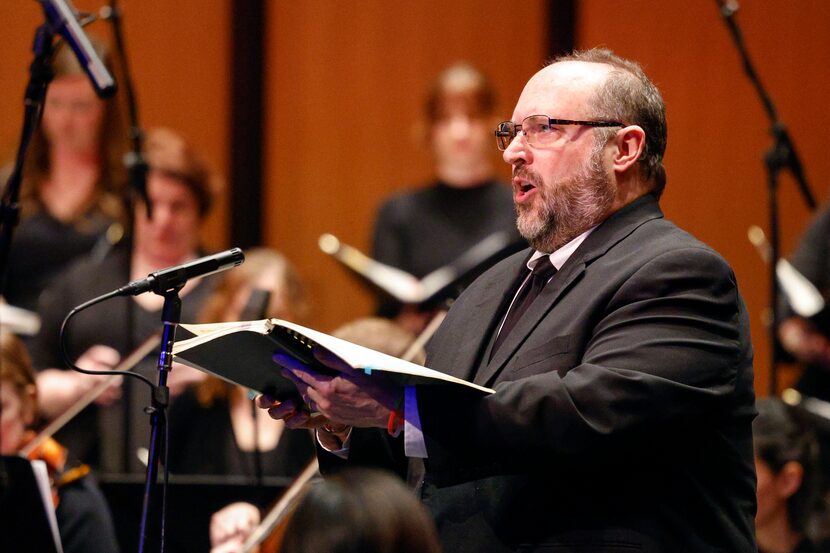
537,311
486,312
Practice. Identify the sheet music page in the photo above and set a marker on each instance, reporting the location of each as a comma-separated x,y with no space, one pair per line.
42,478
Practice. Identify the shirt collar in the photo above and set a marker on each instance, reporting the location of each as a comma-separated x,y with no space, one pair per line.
561,255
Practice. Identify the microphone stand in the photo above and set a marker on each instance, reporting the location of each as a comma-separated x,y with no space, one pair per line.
40,75
137,167
170,316
166,283
780,156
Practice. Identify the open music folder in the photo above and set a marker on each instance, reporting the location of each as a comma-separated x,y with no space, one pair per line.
241,353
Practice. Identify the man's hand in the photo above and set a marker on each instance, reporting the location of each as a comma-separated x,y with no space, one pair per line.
350,398
294,416
98,358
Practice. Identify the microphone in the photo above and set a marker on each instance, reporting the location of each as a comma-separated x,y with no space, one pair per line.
172,278
63,18
727,7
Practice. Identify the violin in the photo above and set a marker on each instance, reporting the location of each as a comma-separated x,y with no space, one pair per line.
55,456
42,447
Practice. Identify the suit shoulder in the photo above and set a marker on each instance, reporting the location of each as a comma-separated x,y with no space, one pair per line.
661,237
667,258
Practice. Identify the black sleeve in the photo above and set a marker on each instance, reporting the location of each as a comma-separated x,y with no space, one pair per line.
53,306
387,244
369,447
388,247
812,257
84,520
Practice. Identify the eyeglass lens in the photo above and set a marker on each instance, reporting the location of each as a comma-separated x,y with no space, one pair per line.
532,127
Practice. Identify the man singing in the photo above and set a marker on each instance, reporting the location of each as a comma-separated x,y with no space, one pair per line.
618,347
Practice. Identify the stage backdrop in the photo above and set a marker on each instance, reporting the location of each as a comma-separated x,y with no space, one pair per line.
344,84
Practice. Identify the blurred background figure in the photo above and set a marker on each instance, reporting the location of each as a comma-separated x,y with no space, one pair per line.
786,464
360,511
807,338
214,426
74,181
84,521
422,230
107,435
230,527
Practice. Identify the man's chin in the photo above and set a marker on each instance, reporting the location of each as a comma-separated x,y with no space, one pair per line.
533,230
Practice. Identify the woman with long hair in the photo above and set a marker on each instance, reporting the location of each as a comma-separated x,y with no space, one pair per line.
74,180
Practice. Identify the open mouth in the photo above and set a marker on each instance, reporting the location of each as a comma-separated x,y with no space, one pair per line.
523,190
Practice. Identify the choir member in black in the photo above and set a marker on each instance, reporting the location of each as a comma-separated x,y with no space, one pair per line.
422,230
72,197
109,433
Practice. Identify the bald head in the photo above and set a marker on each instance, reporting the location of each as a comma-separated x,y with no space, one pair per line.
576,75
570,86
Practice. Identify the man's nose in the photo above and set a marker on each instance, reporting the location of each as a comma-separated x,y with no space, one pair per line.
517,150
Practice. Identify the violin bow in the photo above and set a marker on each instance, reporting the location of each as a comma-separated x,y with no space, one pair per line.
278,511
92,394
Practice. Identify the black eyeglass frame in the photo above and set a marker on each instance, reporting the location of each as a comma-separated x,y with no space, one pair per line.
502,134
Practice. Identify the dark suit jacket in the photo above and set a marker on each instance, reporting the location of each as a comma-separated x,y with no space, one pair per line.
623,407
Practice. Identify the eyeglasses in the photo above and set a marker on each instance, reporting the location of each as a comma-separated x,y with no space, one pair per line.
541,130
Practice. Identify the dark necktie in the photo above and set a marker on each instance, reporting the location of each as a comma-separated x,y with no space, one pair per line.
539,276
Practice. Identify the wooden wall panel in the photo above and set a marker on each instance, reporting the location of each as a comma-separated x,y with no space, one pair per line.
718,131
179,55
20,21
345,84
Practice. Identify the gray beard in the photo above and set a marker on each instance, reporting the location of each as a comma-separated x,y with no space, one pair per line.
565,208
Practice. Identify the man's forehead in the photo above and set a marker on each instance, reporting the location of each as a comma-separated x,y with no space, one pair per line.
566,85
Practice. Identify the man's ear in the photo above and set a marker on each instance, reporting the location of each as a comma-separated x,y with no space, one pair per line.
631,144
